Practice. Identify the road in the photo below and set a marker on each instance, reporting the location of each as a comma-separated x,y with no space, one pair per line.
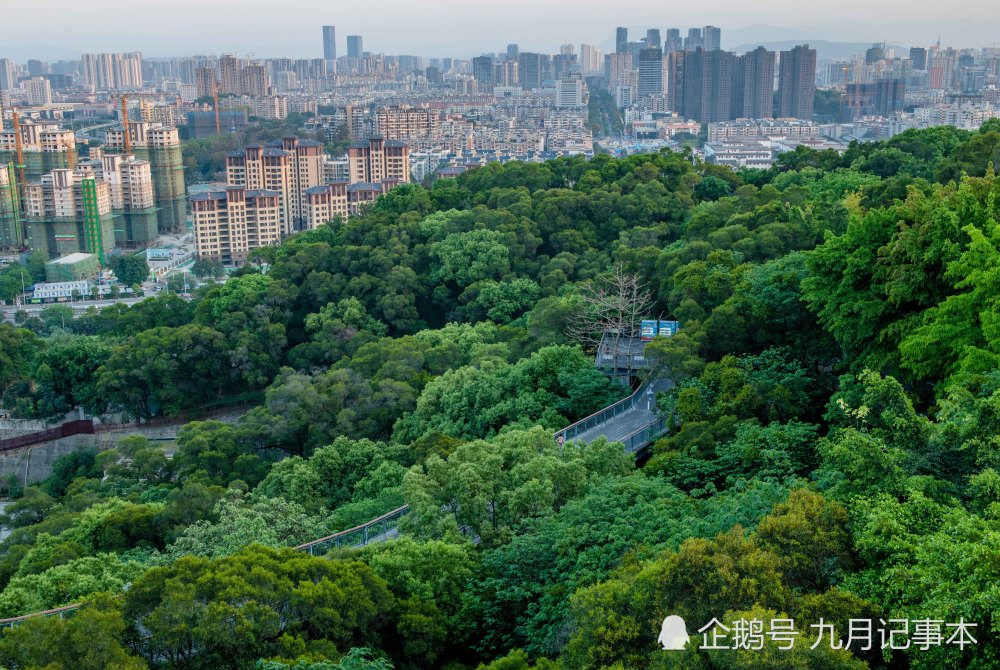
8,312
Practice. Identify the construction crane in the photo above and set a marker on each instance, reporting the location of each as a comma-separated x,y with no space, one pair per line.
125,134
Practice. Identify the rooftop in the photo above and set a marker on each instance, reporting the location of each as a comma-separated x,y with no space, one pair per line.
71,258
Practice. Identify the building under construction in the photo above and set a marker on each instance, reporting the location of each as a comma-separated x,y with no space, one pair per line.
12,237
69,213
133,202
160,146
44,147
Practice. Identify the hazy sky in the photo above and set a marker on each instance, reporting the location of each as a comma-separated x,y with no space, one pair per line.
464,27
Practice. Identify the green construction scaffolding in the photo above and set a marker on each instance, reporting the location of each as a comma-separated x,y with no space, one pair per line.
92,220
11,227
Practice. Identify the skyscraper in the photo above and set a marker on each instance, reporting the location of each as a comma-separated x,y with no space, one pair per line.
621,40
650,72
701,84
330,46
355,46
530,70
918,58
693,40
512,51
674,41
711,38
229,74
653,38
757,79
483,72
797,83
8,74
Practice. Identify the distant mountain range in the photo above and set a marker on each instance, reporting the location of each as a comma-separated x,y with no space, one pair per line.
825,50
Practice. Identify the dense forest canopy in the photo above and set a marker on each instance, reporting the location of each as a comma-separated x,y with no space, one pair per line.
832,452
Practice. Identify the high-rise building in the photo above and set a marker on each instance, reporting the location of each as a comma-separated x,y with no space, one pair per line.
37,90
326,202
11,230
757,82
44,147
693,40
918,58
513,51
132,199
230,223
875,54
8,74
702,84
330,46
653,38
230,68
379,161
112,71
621,40
711,38
570,93
406,123
483,72
650,72
797,83
355,46
68,213
205,82
530,70
254,81
674,41
289,167
160,145
590,59
880,98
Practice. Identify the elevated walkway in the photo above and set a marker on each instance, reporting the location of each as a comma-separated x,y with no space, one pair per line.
633,421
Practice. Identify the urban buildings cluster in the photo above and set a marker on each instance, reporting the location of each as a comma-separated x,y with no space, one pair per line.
291,185
380,120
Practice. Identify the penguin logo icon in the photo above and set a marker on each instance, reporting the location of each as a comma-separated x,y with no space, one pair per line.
673,634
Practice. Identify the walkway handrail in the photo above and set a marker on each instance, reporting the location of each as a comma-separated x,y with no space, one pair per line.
337,538
602,415
639,437
24,617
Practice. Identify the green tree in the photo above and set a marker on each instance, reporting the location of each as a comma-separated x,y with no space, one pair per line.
130,269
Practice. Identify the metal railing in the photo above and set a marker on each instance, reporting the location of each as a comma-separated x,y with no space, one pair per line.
606,414
378,529
645,435
375,530
55,611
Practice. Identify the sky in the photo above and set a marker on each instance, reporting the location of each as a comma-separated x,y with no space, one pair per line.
464,28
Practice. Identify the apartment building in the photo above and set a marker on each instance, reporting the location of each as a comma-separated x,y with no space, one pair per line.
161,146
45,147
68,213
229,224
379,160
325,203
290,167
403,123
133,200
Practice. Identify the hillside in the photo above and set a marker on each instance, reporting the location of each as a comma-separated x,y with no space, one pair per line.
831,455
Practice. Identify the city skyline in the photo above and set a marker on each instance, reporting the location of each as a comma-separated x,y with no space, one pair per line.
267,30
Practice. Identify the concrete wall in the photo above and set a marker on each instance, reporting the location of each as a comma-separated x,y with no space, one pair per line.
33,464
